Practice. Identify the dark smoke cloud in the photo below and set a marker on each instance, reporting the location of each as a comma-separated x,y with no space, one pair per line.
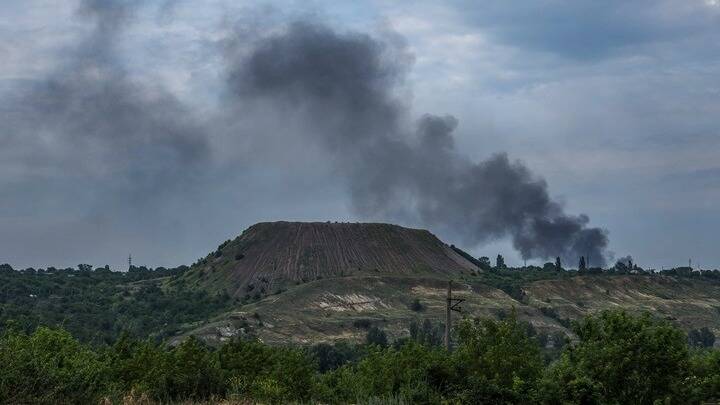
94,146
348,87
626,260
95,163
89,118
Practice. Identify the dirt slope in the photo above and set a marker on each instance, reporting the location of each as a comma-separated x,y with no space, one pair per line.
329,309
272,255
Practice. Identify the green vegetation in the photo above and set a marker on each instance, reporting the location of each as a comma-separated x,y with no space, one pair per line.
84,336
617,358
98,305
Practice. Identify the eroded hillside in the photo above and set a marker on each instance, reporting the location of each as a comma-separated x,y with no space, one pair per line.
343,308
271,256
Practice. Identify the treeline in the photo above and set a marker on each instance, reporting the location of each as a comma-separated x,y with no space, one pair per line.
97,304
616,358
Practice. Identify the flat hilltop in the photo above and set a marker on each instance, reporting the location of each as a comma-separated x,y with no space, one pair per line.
271,256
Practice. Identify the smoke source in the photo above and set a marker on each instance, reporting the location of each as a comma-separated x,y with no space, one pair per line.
346,86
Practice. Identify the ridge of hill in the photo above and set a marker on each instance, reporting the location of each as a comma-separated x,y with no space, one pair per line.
270,256
343,308
319,281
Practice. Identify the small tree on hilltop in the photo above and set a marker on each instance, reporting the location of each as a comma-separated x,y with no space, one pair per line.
500,262
558,264
582,265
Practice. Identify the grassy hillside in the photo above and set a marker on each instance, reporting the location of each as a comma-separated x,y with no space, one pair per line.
99,305
323,282
343,308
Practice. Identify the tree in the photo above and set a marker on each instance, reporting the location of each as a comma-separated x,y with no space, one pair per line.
705,366
702,337
558,264
582,265
620,267
416,305
196,374
500,262
376,336
413,373
333,356
85,267
620,359
49,366
485,263
427,333
266,374
502,364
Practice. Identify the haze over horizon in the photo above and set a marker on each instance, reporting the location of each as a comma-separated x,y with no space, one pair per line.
161,128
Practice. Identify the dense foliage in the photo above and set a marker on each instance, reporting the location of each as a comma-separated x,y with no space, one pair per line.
98,305
617,359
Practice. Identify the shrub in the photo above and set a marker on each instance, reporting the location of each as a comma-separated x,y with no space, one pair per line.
195,372
705,368
362,323
702,337
260,372
376,336
414,372
49,366
501,363
620,358
416,305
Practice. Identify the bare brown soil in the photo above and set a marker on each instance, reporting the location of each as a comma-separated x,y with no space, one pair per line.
269,254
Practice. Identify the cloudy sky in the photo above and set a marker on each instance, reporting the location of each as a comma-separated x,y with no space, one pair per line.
161,128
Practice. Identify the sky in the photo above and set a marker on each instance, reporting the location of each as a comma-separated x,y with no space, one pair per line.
161,128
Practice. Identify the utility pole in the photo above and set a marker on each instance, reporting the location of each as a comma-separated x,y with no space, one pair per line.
129,261
448,316
451,305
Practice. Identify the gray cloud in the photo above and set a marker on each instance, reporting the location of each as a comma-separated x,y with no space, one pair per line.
349,87
587,29
89,118
95,161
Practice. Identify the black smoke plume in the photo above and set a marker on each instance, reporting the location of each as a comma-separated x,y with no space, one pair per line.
90,119
348,86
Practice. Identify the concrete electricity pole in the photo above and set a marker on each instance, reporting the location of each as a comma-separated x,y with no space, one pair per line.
452,304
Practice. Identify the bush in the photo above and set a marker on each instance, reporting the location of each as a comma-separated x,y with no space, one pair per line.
705,369
427,334
195,371
620,358
416,305
362,323
49,366
416,373
376,336
331,357
501,364
702,337
260,372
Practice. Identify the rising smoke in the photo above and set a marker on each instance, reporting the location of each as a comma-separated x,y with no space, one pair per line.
95,162
347,86
90,119
135,144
